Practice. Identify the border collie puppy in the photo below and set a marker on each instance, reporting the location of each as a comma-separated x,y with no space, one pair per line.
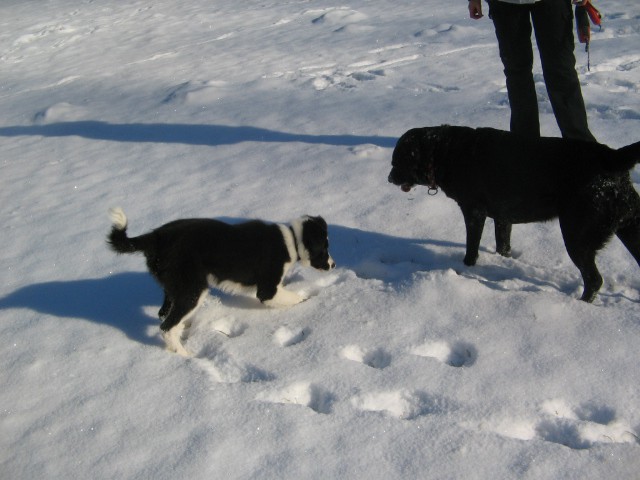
187,256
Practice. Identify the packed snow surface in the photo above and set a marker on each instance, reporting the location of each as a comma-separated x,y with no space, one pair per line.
403,363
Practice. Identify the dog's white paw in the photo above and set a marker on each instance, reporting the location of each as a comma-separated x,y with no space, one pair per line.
173,340
284,298
180,350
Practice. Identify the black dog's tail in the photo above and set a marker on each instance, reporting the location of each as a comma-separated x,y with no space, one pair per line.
117,238
628,156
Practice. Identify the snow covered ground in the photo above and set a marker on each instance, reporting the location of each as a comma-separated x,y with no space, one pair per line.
404,363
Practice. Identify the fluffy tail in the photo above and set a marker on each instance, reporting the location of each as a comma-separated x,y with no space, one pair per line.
628,156
117,238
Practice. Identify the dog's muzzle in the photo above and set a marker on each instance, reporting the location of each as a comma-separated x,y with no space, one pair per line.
405,187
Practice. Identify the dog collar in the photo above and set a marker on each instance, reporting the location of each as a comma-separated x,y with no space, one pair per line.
431,179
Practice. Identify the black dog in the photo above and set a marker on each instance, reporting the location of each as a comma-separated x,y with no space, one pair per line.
493,173
186,256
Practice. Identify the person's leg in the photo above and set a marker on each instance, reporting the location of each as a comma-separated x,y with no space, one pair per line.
553,25
513,30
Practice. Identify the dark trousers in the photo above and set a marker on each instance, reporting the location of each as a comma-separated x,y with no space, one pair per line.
552,22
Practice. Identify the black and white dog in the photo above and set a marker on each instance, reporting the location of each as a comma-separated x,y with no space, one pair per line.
187,256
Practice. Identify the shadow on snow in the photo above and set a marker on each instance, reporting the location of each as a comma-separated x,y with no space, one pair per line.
118,300
189,134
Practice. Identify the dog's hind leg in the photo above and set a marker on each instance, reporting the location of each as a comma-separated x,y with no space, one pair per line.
590,276
474,222
582,250
630,238
503,238
182,308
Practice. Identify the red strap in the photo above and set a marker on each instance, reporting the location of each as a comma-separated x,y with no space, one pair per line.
594,14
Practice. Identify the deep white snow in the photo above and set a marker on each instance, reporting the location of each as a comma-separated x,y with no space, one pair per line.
404,363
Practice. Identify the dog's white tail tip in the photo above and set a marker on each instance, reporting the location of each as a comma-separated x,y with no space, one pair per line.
118,218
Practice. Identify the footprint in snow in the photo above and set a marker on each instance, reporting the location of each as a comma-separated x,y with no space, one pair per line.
229,327
374,358
582,427
223,368
302,393
459,354
286,337
195,92
578,428
339,17
60,112
402,404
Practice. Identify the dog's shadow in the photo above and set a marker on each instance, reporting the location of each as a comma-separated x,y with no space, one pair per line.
374,255
120,300
117,300
392,259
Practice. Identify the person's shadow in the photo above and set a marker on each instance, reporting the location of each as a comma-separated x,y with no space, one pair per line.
188,134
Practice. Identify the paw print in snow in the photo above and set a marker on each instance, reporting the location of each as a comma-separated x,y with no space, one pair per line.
375,358
402,404
286,337
459,354
302,393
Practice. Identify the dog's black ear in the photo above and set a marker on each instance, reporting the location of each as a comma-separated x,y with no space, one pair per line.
320,221
429,140
317,224
434,134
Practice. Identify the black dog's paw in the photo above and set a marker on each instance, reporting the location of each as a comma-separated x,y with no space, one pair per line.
470,260
589,294
588,297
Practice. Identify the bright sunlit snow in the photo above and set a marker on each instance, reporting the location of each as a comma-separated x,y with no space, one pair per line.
404,363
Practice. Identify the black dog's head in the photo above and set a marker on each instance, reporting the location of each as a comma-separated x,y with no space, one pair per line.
313,242
412,157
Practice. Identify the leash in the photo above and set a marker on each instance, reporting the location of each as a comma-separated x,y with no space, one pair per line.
583,14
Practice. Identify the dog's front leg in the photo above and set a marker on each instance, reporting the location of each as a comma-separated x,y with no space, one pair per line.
166,307
283,298
173,340
474,222
503,238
